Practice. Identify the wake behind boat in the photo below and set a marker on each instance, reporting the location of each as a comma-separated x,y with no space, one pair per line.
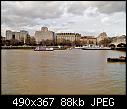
41,48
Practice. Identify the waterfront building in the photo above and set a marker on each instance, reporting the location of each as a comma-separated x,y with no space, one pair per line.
86,40
22,35
102,36
67,36
44,34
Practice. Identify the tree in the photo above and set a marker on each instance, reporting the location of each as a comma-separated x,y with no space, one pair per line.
7,42
105,42
91,42
49,42
3,42
62,42
32,41
84,42
78,43
42,42
27,41
14,42
21,41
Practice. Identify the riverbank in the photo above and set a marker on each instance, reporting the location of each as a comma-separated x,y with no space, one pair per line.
60,48
29,47
18,47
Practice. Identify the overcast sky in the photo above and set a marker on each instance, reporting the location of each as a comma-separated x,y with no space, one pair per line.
84,17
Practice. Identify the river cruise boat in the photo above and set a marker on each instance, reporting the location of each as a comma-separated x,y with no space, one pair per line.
41,48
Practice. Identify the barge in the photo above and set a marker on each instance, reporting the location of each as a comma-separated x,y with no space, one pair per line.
120,59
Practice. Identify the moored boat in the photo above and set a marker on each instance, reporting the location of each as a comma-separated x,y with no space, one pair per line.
78,47
96,48
41,48
120,59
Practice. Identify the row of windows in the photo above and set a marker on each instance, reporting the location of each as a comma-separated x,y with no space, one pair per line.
67,33
67,36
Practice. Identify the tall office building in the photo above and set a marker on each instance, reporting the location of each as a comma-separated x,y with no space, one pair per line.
44,34
22,35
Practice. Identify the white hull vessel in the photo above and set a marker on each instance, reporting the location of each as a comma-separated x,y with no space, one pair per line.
40,48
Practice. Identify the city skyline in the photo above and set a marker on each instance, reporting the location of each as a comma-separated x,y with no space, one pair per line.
84,17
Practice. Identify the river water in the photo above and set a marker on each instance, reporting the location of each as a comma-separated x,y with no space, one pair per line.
62,72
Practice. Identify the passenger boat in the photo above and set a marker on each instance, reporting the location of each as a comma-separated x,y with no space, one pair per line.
120,59
41,48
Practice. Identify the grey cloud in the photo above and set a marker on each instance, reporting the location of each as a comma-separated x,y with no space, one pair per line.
76,8
71,22
102,6
62,15
26,13
33,9
14,20
111,6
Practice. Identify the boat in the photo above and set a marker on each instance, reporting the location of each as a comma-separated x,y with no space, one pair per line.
120,59
78,47
96,48
41,48
58,48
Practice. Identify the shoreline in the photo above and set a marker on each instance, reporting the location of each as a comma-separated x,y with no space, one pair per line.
18,47
55,48
26,47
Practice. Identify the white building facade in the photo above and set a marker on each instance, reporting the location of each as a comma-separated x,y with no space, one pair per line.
22,35
44,34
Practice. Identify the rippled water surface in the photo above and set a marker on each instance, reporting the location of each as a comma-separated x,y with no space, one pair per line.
62,72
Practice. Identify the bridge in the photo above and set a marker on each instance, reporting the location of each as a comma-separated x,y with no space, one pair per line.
118,42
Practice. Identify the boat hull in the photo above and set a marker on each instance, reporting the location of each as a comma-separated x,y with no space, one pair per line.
43,49
116,60
96,48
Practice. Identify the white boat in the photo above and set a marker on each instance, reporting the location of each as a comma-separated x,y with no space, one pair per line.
41,48
78,47
96,48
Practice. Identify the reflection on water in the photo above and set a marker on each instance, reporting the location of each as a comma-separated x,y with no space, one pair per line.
62,72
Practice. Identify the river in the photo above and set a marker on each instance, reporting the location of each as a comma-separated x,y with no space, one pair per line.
62,72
